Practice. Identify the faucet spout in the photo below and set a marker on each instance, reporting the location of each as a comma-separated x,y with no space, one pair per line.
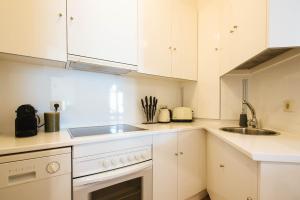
253,122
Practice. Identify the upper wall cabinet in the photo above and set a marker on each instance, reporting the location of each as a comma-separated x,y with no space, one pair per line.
103,32
254,31
34,28
168,38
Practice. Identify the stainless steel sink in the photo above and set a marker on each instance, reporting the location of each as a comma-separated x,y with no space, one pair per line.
249,131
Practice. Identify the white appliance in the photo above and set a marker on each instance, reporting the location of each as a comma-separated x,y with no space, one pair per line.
182,114
119,169
164,115
38,175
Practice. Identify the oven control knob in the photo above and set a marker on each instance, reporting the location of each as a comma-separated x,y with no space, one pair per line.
122,160
113,162
130,158
137,157
53,167
105,164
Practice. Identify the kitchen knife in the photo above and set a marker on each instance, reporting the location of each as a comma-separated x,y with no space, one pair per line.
155,106
143,105
147,114
150,109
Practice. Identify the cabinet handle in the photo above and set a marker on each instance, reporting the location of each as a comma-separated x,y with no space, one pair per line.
231,31
71,18
176,154
216,49
249,198
181,153
60,14
170,48
174,49
222,166
235,27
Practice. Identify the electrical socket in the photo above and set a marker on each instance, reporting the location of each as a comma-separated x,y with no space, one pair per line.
288,106
61,105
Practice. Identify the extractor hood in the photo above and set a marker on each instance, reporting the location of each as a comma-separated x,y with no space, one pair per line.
263,57
97,65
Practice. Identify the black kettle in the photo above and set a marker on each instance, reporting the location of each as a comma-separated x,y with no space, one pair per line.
26,123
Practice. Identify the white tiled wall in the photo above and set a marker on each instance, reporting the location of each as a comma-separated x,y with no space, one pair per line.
90,98
268,90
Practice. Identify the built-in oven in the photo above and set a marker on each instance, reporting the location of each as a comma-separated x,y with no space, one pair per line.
129,183
116,170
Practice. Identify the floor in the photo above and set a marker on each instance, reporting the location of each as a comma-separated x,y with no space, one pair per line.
206,198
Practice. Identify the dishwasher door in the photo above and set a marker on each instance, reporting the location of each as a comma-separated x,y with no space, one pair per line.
44,175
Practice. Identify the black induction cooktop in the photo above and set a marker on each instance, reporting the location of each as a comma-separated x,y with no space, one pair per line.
102,130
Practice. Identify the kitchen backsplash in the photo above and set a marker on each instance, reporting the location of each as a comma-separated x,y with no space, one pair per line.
90,98
269,89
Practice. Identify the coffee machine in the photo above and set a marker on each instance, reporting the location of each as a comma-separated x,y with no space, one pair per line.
26,123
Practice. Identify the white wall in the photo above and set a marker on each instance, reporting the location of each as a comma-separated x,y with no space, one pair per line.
269,89
91,98
231,96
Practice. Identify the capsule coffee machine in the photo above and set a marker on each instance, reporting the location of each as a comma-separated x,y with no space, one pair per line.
26,123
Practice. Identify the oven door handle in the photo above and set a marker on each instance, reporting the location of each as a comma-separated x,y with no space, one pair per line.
105,176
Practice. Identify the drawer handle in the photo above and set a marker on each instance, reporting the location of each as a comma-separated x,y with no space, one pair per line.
20,178
222,166
249,198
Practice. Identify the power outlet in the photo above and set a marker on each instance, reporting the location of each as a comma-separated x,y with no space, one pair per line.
61,105
288,106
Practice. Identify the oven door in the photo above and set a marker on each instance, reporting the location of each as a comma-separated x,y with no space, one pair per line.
129,183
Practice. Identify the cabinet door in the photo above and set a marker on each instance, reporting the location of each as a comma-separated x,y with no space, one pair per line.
105,30
240,175
155,37
165,167
184,39
34,28
215,169
191,163
226,36
231,174
249,23
208,86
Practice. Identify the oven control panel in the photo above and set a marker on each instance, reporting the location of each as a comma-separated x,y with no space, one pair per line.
110,161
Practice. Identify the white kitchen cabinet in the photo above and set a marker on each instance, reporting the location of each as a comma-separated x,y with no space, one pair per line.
279,181
230,174
253,31
34,28
155,37
244,31
104,30
208,86
168,38
191,163
184,39
165,166
179,164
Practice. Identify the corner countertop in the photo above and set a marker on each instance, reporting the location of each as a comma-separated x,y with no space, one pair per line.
281,148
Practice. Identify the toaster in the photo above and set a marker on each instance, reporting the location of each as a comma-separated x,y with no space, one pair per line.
182,114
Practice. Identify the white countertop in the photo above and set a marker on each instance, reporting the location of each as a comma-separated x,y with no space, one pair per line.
281,148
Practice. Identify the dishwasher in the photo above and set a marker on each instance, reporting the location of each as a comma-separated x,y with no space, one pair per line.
37,175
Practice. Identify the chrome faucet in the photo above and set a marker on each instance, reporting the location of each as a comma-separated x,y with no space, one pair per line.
253,121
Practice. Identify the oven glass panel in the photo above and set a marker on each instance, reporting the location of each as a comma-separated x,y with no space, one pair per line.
129,190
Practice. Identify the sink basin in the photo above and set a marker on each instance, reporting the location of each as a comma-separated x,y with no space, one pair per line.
249,131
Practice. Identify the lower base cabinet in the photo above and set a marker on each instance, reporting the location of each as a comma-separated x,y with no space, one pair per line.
231,175
179,162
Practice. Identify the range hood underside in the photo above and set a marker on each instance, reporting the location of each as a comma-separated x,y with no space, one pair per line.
264,56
